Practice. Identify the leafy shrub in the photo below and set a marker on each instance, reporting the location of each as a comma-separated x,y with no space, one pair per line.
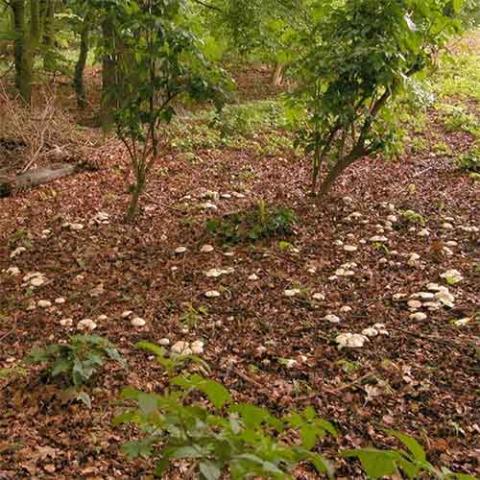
458,120
192,315
249,118
361,57
77,361
221,436
470,161
412,463
255,224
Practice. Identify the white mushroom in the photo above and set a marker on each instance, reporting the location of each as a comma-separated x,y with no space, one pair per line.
418,316
86,324
292,292
138,322
212,294
197,347
181,348
331,318
351,340
44,303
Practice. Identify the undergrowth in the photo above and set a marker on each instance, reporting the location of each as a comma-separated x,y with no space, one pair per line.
260,222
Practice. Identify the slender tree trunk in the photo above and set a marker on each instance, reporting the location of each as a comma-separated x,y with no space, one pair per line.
26,43
108,72
134,200
315,169
49,36
22,79
340,166
277,77
78,82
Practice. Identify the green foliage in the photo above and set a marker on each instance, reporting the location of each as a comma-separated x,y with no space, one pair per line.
77,361
12,372
174,363
196,419
221,436
470,161
260,30
191,316
458,76
260,222
411,216
458,120
412,462
249,118
260,126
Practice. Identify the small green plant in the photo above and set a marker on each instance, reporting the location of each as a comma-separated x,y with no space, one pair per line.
225,439
255,224
412,462
191,316
348,366
470,161
77,361
12,372
174,363
412,217
249,118
442,149
456,119
220,437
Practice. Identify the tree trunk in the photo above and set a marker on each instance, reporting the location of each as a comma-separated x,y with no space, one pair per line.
339,167
49,36
22,77
316,162
26,43
81,62
134,200
108,72
277,77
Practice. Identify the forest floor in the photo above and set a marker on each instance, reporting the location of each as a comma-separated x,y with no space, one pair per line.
421,378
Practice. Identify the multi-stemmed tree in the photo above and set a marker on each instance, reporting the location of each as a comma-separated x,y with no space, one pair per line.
361,56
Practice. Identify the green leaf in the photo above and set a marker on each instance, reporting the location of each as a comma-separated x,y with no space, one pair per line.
189,451
125,417
147,402
457,5
84,397
62,365
151,347
413,446
215,391
376,463
253,416
210,470
321,464
138,448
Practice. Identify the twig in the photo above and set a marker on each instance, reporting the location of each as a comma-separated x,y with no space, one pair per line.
433,338
335,391
245,377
